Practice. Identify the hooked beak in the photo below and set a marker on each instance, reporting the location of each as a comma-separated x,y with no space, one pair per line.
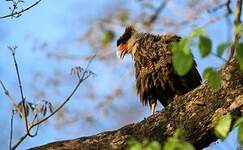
122,51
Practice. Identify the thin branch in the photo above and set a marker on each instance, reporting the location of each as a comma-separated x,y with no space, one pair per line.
83,78
90,60
10,98
157,12
11,130
237,22
46,118
12,49
228,6
19,141
221,58
18,13
220,6
61,106
86,74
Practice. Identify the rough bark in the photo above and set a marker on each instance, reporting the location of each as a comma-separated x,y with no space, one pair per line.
195,112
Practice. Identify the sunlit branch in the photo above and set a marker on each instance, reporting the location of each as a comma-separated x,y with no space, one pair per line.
237,21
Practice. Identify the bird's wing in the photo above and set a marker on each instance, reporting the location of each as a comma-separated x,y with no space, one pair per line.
155,51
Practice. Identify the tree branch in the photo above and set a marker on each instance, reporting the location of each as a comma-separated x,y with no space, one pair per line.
237,21
18,13
12,49
186,112
11,130
85,74
153,18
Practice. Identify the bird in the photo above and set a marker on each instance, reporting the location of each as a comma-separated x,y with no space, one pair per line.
156,79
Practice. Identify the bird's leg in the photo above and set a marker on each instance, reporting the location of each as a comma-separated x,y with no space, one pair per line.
153,105
153,108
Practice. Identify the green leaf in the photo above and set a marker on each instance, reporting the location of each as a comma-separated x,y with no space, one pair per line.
182,62
239,51
238,122
222,126
221,48
171,144
174,143
181,56
154,146
123,15
185,146
239,29
175,47
108,36
205,45
184,45
212,77
134,145
178,133
240,134
197,32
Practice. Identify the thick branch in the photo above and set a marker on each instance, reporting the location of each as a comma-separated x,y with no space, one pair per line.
237,21
194,112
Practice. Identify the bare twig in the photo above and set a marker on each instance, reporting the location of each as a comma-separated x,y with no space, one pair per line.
11,130
156,14
220,6
237,21
12,49
220,57
86,74
228,6
10,98
90,60
18,13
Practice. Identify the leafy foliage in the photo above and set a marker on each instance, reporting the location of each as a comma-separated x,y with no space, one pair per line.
212,77
221,48
123,16
239,29
239,51
205,45
145,145
182,57
197,32
175,143
240,134
238,122
108,36
222,126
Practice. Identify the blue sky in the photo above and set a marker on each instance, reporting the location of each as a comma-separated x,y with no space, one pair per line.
60,23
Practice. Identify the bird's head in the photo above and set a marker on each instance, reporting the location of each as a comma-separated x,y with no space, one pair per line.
123,46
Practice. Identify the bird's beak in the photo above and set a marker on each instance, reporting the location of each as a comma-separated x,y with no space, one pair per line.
121,51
